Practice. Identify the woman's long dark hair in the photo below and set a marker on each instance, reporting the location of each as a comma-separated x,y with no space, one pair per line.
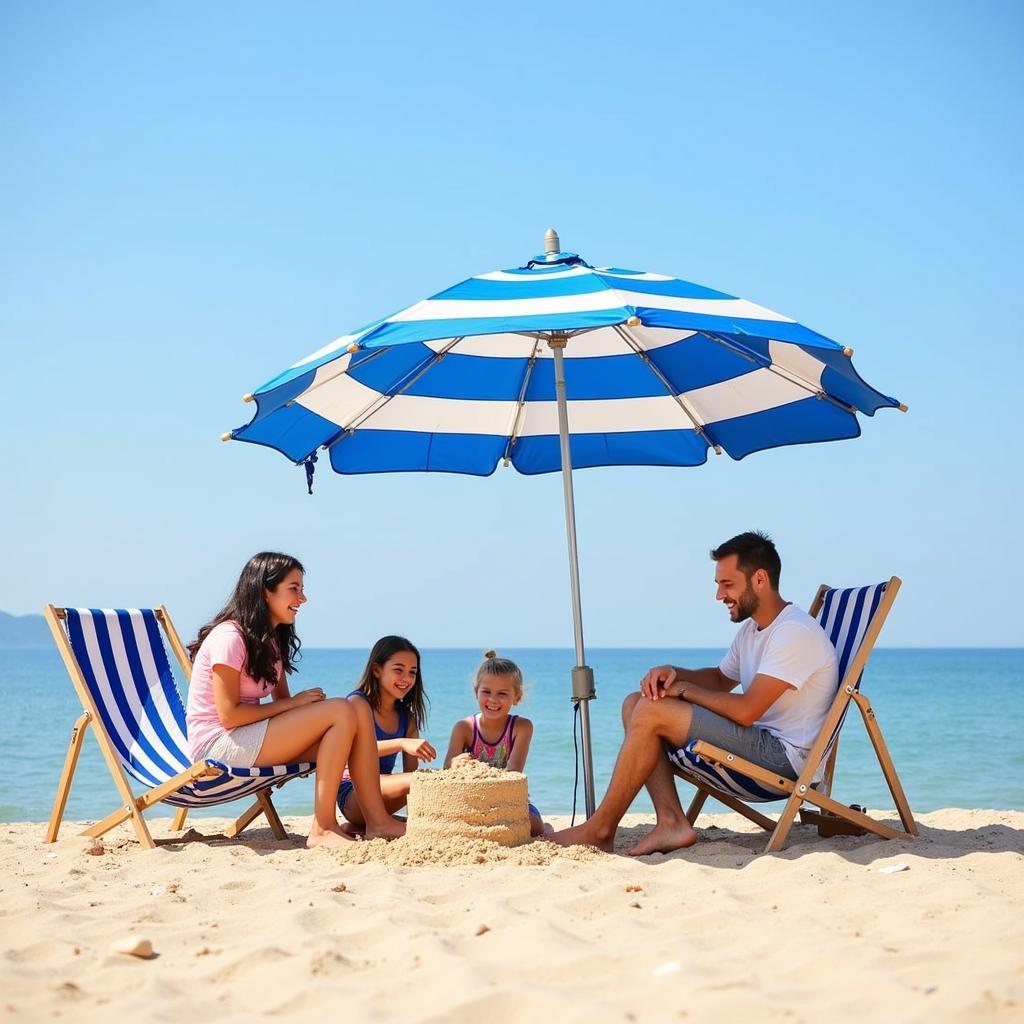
415,701
247,606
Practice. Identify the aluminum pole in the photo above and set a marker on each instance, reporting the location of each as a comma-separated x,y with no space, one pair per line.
582,675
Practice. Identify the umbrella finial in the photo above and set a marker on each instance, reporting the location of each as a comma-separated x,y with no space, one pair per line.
551,242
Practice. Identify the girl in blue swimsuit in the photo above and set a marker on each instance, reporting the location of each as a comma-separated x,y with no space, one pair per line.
496,736
390,697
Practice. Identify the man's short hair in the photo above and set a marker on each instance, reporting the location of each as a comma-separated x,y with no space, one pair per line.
753,550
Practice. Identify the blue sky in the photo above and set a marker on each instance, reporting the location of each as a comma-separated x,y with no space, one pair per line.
194,196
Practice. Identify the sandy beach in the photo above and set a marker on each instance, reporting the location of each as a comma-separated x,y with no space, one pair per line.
254,926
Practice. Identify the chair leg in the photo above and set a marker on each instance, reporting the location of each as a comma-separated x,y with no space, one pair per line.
179,819
885,761
261,805
826,803
112,820
64,786
746,810
142,829
733,803
784,824
250,814
272,817
696,804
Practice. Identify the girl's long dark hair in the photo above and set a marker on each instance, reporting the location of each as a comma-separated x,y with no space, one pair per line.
415,701
247,607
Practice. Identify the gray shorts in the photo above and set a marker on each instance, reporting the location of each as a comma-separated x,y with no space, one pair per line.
748,741
238,747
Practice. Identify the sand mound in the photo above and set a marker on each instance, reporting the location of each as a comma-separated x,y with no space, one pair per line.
455,851
470,813
469,801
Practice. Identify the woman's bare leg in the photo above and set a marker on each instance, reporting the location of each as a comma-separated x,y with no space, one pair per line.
323,732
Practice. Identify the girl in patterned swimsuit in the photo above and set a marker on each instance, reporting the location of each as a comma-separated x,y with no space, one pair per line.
390,703
496,736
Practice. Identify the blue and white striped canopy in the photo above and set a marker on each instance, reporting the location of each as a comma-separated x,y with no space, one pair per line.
657,371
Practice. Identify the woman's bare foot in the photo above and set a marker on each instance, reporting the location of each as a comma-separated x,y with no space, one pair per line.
664,838
326,837
387,828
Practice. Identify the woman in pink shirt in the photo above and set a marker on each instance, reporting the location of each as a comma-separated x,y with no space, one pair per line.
245,654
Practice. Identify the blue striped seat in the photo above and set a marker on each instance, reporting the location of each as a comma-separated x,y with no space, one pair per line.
845,615
120,667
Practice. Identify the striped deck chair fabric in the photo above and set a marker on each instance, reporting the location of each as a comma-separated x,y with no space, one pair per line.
120,657
845,616
852,619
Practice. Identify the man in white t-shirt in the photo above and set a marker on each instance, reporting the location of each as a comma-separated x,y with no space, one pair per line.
766,701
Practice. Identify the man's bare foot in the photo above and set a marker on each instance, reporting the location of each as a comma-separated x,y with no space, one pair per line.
583,835
388,828
326,837
353,831
664,838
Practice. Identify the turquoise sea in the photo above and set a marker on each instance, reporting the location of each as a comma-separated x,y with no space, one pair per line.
953,720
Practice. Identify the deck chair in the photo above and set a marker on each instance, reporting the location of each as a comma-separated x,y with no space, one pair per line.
119,667
852,619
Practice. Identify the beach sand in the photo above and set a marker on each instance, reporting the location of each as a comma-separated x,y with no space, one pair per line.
256,927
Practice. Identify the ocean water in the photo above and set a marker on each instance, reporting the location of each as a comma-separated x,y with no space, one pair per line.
953,721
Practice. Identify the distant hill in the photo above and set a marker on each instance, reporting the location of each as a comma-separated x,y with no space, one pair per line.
24,631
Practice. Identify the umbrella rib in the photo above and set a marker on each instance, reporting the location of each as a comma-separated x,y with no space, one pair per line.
780,371
382,399
335,375
521,402
698,425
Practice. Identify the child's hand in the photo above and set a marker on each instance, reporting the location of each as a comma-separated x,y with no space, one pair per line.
419,748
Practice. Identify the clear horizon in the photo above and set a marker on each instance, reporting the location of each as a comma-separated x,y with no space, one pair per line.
196,199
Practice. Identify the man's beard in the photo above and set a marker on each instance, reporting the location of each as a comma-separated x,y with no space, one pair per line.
747,604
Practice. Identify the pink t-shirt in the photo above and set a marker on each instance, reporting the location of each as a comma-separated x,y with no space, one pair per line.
224,645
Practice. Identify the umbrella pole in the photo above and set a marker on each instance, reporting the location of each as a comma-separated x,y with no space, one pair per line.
582,675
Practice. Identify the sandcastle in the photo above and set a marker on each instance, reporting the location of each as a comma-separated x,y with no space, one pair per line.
470,800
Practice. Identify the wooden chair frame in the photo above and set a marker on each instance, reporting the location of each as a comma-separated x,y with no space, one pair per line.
803,791
132,806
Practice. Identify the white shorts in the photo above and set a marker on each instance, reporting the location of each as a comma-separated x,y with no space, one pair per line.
238,747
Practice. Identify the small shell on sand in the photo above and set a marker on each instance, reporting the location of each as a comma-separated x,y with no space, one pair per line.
133,945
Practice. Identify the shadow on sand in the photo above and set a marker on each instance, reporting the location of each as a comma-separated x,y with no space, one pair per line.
731,848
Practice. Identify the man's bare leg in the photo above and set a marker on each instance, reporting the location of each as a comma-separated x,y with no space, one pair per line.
651,722
672,830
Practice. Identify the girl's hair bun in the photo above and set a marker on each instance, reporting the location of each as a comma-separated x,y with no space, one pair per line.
492,665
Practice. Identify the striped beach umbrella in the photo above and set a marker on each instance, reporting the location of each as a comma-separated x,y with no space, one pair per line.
560,365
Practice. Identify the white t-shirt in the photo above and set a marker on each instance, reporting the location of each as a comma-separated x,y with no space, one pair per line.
795,649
